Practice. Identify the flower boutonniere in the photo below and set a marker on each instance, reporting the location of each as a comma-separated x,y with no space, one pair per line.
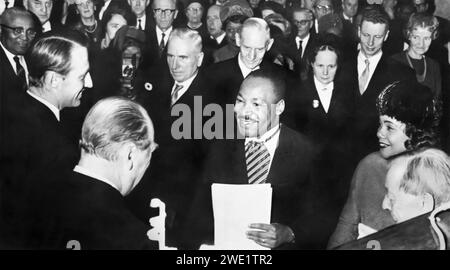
315,104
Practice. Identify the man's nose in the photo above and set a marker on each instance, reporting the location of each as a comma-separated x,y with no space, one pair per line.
371,41
386,204
325,71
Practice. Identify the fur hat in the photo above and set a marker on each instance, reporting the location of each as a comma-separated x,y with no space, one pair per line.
410,103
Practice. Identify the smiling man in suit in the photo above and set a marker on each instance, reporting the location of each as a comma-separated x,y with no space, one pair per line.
35,148
269,153
370,71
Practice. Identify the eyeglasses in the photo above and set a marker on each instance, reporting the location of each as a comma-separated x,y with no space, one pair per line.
166,12
200,9
19,31
324,8
302,22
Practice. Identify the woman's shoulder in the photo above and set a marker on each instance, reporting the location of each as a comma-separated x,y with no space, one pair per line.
372,159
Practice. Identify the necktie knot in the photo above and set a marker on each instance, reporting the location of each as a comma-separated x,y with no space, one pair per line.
176,89
139,24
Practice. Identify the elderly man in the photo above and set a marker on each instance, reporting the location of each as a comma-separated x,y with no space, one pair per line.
304,41
321,8
18,30
42,9
177,165
35,148
214,24
254,41
270,153
117,141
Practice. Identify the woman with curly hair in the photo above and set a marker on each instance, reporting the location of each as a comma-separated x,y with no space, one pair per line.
409,116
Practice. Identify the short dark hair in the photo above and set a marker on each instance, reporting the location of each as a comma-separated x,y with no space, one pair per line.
275,78
53,52
123,10
375,14
238,18
326,42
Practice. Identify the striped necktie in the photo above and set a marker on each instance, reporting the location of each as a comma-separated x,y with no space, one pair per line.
258,160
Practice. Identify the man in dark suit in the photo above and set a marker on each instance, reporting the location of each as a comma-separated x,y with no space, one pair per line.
177,96
283,158
34,148
43,10
139,8
17,30
370,71
164,13
117,141
301,44
226,77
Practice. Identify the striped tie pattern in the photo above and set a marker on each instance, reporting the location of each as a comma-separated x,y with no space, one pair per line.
258,159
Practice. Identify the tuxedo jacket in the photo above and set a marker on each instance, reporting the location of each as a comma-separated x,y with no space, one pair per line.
290,176
366,115
93,213
33,149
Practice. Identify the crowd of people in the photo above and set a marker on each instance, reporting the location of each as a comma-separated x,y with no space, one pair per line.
342,106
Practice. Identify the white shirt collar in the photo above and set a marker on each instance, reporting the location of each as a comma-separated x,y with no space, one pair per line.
272,143
186,84
46,27
373,62
220,38
3,7
10,57
316,26
166,33
347,18
325,92
143,21
87,172
304,42
52,107
244,69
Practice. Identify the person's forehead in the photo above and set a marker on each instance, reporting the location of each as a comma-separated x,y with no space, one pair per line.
195,5
326,56
352,2
213,11
419,30
324,3
40,1
79,59
19,20
181,46
163,4
303,14
367,26
257,88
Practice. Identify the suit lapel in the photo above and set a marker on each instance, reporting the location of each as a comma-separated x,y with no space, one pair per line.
281,155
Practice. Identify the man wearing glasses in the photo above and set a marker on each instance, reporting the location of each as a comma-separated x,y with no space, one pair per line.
42,9
303,19
321,8
17,31
164,13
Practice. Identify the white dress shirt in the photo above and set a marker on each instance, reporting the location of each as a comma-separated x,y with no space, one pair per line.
3,7
46,27
87,172
305,41
219,38
325,92
143,21
373,62
347,18
10,57
166,33
244,69
102,11
271,144
185,86
52,107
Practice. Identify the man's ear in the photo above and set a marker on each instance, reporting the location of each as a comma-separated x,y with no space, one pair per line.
269,44
52,79
129,153
238,39
280,107
200,59
386,36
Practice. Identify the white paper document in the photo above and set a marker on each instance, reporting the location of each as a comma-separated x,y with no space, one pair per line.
235,207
